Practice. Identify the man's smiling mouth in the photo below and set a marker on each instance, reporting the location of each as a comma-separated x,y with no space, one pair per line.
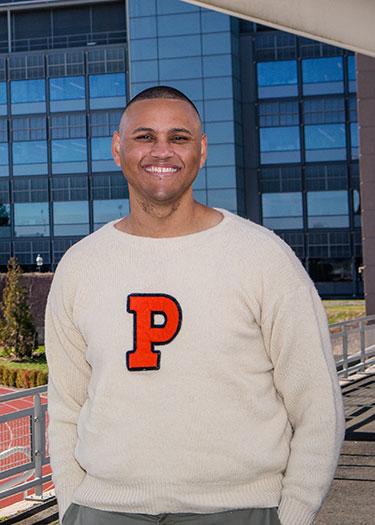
161,170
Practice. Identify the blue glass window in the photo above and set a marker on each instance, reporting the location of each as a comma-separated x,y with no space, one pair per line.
31,219
69,156
354,140
352,78
171,47
3,98
101,153
223,199
30,158
282,211
4,162
328,209
356,209
181,24
107,91
325,142
67,93
277,79
180,68
28,96
322,75
71,218
281,144
108,210
5,219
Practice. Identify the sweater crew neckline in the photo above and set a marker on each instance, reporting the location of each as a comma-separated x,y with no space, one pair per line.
192,238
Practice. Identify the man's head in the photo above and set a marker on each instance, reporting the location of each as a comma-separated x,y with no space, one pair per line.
160,145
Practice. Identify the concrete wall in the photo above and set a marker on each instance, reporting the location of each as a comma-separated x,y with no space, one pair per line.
366,119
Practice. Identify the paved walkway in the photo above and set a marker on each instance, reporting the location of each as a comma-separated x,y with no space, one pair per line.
351,499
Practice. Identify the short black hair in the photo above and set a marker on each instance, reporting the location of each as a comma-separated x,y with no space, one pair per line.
162,92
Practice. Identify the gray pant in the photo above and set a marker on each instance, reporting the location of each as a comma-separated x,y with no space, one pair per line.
81,515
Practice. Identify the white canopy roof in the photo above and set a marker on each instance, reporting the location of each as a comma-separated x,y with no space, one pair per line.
344,23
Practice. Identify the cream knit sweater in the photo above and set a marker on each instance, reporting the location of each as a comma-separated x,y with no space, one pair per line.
190,374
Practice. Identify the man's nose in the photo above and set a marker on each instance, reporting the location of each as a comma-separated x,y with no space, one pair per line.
162,149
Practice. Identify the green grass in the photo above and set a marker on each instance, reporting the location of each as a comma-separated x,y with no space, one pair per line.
344,310
38,362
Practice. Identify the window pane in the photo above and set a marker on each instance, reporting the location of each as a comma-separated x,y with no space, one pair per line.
30,158
69,156
327,209
108,210
352,73
334,270
3,98
71,218
354,140
280,144
31,219
28,96
107,91
4,220
325,142
277,79
322,75
102,154
282,210
4,166
67,93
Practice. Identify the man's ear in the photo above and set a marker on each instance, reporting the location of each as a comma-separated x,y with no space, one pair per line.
116,145
203,149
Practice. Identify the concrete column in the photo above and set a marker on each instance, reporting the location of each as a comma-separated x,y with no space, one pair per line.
366,120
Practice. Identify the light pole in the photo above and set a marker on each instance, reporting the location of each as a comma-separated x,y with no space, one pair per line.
39,262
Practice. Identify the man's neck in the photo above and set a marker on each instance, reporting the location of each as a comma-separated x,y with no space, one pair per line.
169,221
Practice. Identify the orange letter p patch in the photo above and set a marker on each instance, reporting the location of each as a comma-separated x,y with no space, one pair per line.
147,334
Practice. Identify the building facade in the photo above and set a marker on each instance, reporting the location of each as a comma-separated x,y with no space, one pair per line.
279,112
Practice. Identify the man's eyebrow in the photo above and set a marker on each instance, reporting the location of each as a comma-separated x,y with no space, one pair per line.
137,130
181,130
173,130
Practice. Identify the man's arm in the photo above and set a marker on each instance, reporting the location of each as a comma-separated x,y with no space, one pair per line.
297,339
68,376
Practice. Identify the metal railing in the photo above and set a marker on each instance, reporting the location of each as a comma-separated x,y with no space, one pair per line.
353,344
24,445
23,433
65,41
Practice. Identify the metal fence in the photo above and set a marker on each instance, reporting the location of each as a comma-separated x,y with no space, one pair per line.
23,443
353,344
23,433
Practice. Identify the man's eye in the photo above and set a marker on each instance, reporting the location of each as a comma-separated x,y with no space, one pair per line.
144,137
180,138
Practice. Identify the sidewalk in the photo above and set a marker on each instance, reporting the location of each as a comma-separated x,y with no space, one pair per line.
351,499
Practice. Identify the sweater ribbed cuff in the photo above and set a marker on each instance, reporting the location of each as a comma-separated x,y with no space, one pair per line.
293,512
64,499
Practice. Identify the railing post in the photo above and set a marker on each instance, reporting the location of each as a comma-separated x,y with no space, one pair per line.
362,330
345,351
38,426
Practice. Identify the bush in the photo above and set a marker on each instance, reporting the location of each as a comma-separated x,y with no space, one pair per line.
11,375
17,332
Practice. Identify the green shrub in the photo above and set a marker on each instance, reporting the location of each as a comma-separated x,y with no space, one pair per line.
19,376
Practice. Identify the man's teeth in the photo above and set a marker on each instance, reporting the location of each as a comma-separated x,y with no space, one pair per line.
159,169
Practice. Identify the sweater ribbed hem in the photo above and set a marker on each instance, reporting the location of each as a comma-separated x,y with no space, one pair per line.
166,497
293,512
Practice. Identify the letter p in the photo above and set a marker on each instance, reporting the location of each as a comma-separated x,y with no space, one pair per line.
146,333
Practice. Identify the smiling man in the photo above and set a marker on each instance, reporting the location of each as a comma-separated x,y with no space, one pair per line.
191,377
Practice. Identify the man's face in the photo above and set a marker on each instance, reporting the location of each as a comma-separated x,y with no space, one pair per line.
160,148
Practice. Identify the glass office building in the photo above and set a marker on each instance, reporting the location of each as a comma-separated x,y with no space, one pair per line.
279,111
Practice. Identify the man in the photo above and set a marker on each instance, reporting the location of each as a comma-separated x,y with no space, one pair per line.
191,374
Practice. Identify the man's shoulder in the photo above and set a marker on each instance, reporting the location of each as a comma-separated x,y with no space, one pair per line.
262,248
86,249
